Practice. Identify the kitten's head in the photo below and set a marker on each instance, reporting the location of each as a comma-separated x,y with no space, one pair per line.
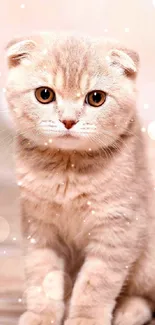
71,92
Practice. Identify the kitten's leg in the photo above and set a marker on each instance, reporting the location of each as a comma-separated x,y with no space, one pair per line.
94,293
45,288
110,253
133,311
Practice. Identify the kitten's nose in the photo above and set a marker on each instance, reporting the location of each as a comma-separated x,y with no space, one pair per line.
68,123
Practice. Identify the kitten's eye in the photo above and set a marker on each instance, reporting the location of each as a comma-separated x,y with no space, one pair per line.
45,95
95,98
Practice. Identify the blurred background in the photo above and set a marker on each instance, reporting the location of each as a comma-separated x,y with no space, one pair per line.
130,21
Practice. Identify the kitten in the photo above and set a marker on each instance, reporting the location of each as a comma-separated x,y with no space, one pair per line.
84,182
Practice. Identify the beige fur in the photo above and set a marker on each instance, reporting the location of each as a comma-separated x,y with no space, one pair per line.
86,198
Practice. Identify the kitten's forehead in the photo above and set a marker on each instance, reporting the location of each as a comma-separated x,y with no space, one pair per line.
74,66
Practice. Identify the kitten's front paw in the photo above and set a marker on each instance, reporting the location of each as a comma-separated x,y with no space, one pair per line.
84,321
30,318
80,321
133,311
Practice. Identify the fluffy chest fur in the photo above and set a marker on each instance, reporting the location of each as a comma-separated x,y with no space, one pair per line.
59,196
72,194
56,194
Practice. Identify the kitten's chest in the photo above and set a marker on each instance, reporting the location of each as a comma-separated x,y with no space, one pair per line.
61,189
62,199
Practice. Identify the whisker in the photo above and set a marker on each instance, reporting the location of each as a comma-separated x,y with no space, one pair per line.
115,145
5,138
135,135
105,149
117,141
4,130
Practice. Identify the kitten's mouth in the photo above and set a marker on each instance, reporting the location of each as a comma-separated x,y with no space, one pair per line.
59,133
68,136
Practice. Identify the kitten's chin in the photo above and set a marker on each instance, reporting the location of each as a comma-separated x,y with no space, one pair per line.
70,143
65,141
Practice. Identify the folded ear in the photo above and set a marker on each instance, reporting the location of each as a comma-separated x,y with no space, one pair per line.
127,59
19,49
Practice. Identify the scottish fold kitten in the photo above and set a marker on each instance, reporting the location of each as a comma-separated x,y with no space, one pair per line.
84,182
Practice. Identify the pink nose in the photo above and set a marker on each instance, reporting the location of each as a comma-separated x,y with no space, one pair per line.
68,123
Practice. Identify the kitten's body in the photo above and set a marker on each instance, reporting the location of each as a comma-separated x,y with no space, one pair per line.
85,201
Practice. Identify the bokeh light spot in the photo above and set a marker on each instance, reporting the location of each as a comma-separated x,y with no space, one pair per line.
151,130
4,229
